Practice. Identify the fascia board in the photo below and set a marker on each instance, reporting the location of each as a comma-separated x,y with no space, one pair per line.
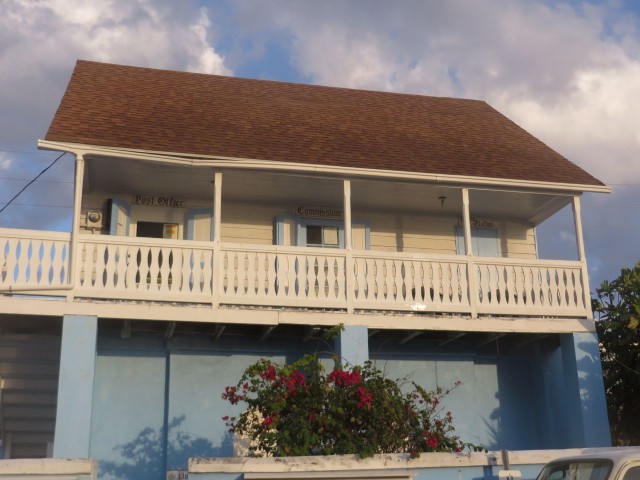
328,170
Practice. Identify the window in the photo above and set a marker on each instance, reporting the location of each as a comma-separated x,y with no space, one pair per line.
312,232
632,474
484,242
157,230
576,469
322,236
320,233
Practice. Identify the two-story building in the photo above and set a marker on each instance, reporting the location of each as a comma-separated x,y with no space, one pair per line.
221,220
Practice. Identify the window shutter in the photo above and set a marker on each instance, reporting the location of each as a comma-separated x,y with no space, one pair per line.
284,231
200,224
120,217
361,235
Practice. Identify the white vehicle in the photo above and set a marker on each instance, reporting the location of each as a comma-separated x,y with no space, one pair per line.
597,464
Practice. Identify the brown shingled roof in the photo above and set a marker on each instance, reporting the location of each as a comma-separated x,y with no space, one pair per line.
191,113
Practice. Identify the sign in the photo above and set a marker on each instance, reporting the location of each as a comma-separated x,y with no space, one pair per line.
157,201
320,212
177,475
170,230
509,475
477,222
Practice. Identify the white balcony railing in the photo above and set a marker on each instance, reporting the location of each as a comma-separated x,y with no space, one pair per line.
141,269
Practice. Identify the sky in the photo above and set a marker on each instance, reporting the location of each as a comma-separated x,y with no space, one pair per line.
568,71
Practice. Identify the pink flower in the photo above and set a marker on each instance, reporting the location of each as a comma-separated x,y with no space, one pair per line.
344,378
269,373
268,421
293,381
366,398
432,441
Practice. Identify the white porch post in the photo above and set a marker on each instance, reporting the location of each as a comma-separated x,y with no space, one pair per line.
217,222
577,218
75,228
348,245
472,279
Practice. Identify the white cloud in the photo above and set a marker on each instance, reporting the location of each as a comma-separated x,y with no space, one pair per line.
6,162
566,236
568,73
41,41
208,61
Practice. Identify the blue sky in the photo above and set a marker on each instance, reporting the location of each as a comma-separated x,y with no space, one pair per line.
567,71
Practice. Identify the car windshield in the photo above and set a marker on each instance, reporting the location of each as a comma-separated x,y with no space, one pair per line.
576,470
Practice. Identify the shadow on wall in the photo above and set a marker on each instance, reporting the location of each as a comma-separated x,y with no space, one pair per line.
592,396
144,456
494,429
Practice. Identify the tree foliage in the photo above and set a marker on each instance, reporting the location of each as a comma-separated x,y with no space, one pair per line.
299,409
617,307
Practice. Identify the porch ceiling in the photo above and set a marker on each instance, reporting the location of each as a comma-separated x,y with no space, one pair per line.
251,186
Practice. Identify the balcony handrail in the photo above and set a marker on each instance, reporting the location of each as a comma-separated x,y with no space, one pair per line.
33,234
149,242
525,261
167,270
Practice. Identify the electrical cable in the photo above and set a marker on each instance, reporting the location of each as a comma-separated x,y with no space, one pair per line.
28,184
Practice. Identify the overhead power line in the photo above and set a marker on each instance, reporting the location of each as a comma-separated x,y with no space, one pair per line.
28,184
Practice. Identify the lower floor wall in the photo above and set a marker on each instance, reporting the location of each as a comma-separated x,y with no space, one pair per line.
156,398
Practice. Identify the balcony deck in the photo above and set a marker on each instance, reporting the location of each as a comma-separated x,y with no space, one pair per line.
158,275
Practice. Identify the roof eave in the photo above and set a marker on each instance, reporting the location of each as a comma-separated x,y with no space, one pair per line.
327,170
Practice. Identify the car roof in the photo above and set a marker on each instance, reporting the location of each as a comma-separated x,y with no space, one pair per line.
618,455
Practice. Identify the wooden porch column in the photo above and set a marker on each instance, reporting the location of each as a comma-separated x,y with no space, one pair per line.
75,228
472,280
348,244
577,218
217,233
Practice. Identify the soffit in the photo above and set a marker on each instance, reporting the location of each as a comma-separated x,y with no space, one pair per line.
368,197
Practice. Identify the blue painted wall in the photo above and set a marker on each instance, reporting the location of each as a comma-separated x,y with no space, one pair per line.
75,386
156,402
545,395
583,379
495,404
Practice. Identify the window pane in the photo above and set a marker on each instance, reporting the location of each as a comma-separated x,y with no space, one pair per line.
331,236
632,474
314,235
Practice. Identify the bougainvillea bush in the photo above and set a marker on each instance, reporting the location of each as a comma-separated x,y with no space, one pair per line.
300,409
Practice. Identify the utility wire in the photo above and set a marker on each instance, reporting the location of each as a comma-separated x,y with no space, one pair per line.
36,178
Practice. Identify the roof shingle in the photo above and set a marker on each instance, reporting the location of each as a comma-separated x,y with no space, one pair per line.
191,113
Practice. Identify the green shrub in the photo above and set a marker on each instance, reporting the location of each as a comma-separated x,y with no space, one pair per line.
298,409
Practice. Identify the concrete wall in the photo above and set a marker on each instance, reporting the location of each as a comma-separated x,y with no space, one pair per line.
157,403
533,397
495,404
154,403
429,466
48,469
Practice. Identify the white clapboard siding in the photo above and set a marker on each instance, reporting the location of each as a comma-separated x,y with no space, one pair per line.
29,370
